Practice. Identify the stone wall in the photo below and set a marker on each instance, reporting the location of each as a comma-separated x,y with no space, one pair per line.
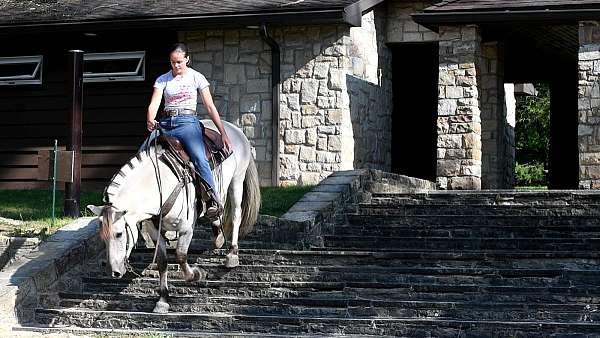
589,105
370,92
336,99
459,123
237,63
401,28
334,102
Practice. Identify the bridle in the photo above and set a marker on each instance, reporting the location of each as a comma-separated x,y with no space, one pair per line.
128,233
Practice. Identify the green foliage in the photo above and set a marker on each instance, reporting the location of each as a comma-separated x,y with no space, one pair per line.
532,131
532,137
531,174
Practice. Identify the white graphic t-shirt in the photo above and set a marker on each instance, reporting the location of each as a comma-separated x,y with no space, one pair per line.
181,91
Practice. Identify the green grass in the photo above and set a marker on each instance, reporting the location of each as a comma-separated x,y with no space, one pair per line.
33,207
277,200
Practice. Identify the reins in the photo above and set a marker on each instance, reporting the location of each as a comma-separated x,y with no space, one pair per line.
160,194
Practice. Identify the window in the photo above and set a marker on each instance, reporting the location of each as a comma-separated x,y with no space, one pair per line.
21,70
121,66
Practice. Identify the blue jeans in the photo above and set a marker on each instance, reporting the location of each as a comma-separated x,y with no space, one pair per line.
187,130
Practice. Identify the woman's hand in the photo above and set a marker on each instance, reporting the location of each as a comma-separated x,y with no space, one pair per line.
227,143
151,125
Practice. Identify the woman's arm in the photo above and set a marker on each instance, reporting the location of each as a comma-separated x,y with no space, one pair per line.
153,109
214,115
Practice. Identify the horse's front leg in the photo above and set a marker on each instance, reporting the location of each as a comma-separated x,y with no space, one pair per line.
183,243
218,236
162,306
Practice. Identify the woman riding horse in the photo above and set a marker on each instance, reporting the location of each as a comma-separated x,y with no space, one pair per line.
180,88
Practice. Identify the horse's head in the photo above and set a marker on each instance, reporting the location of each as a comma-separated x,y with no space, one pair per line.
119,232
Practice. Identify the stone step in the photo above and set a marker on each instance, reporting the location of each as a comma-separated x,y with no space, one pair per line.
350,308
129,333
474,220
205,243
469,231
421,293
382,243
425,258
222,322
476,209
589,294
503,197
510,279
281,273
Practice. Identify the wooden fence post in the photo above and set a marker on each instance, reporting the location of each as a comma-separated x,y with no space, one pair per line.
73,189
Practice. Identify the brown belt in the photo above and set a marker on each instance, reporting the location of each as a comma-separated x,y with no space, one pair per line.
177,111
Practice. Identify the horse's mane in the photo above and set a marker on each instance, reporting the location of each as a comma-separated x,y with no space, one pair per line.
117,182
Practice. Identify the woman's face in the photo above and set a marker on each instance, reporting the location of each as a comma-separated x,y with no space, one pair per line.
179,62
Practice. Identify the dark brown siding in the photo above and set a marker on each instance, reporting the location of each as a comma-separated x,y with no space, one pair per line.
113,116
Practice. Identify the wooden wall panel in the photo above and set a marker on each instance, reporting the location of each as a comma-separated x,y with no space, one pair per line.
114,113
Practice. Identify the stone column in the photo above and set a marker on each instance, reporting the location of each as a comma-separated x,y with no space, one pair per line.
459,122
497,120
589,105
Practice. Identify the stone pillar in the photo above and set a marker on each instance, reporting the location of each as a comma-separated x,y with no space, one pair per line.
589,105
459,123
497,132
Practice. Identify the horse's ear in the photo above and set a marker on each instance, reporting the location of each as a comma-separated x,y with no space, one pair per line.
96,210
119,214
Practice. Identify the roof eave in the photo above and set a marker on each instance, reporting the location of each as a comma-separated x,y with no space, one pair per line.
237,20
433,20
353,12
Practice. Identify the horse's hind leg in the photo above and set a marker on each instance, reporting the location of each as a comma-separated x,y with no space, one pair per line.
162,306
236,190
183,243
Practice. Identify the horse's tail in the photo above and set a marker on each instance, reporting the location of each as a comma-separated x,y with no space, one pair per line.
250,203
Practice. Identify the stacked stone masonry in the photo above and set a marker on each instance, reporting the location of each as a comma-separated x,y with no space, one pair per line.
237,63
497,133
589,105
335,105
401,28
335,114
459,123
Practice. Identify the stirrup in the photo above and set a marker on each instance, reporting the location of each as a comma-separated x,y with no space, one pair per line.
214,210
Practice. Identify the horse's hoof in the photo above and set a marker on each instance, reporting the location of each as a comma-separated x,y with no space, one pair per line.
219,241
231,261
161,307
198,275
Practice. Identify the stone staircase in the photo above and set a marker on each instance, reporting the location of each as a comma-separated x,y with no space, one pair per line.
437,264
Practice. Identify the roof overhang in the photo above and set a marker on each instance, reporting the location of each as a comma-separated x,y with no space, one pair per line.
434,19
351,15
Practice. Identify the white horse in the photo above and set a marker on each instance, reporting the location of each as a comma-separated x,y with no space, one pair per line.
133,198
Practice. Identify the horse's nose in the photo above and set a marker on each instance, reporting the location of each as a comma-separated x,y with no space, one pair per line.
116,274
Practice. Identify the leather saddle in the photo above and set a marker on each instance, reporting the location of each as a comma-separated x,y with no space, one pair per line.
213,146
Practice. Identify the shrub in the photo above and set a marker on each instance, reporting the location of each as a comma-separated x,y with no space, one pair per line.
530,174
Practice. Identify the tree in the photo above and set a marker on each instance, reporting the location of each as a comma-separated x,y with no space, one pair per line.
532,131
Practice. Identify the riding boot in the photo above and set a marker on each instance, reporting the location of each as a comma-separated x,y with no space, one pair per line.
214,208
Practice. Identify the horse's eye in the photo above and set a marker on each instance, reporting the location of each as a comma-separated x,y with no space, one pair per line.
118,234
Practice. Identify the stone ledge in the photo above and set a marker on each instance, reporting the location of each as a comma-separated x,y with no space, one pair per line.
22,282
321,206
